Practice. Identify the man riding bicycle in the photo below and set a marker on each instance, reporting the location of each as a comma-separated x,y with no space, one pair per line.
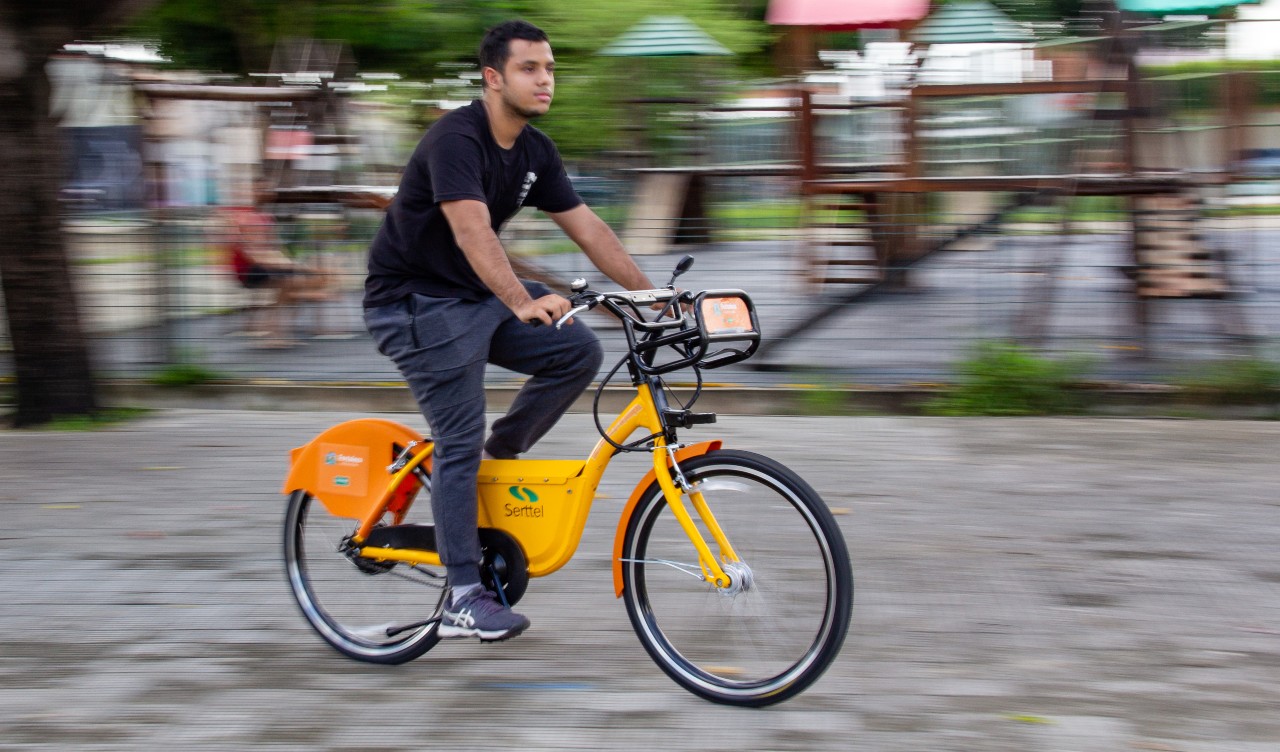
441,299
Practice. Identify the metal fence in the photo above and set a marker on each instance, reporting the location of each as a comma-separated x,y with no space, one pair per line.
1065,275
157,291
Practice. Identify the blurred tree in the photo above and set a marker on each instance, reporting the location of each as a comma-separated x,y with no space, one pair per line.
1040,10
404,36
50,351
412,38
590,89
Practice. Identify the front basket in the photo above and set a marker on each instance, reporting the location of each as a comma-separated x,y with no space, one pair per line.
727,326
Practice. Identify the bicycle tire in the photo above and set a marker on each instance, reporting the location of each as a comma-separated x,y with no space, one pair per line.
356,604
751,646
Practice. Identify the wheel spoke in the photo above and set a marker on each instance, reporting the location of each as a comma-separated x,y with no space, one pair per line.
693,570
783,618
369,610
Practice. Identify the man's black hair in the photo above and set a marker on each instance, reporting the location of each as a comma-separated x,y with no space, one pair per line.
495,49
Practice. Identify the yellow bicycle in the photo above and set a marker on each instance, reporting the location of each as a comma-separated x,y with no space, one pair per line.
744,606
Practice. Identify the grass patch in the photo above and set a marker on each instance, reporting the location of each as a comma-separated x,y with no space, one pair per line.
1241,381
1258,210
184,374
1080,209
1004,378
94,421
765,215
756,220
821,400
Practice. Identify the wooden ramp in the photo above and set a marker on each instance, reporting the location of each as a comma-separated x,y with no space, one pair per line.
840,241
1171,258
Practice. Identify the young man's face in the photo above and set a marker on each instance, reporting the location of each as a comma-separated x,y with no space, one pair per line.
528,81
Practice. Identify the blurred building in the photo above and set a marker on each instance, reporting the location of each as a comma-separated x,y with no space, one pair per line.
91,99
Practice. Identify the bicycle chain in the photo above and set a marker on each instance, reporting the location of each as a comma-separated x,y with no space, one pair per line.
373,566
435,581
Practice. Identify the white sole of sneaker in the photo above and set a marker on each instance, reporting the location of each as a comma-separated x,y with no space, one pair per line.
451,632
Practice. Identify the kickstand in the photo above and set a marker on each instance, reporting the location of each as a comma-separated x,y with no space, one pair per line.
502,591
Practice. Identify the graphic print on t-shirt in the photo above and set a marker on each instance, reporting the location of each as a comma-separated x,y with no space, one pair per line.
529,179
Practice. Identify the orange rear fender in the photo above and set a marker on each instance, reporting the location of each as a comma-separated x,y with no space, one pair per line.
345,467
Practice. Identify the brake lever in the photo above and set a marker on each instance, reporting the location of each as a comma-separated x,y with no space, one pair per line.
572,312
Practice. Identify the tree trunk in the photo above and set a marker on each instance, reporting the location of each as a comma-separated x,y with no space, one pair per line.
50,350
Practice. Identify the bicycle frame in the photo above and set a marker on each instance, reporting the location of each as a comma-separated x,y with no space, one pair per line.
542,504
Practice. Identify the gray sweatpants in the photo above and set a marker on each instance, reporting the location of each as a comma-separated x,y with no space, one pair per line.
442,345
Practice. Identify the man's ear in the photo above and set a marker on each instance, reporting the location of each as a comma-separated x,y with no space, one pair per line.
492,78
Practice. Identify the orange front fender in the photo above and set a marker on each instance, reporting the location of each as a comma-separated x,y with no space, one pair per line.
345,467
693,450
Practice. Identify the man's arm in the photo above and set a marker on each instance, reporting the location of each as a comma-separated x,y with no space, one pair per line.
470,222
602,246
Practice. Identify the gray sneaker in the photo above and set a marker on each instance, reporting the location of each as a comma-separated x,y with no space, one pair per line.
479,614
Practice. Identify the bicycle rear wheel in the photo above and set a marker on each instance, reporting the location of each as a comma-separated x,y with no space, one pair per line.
379,612
782,622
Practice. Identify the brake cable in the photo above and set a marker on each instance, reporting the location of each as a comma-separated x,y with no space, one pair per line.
634,446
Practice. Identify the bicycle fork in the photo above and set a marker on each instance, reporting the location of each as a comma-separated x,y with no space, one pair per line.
674,485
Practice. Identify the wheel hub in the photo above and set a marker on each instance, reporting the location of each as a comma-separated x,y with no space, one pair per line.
741,580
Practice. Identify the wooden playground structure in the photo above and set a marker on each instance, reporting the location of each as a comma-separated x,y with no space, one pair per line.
867,222
865,225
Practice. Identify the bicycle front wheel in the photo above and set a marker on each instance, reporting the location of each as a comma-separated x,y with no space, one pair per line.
782,621
373,611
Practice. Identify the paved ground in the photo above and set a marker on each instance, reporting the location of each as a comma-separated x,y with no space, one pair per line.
1057,585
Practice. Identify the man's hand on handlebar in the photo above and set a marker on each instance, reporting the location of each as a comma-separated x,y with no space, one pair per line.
682,295
544,310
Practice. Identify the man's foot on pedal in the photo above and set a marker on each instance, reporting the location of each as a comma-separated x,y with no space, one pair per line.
479,614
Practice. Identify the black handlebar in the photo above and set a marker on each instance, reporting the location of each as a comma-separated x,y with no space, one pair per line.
685,331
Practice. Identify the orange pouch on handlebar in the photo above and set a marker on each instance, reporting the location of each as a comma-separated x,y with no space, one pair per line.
727,325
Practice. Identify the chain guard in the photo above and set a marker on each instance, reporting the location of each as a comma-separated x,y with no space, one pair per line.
502,558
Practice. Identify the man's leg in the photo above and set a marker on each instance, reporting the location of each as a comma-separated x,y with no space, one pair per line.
439,347
562,362
453,402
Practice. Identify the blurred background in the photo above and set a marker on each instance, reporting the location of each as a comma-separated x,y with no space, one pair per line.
899,185
918,195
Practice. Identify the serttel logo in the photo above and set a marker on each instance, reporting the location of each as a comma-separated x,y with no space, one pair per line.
331,458
523,494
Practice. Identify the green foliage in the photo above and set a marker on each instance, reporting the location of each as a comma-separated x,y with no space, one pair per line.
1082,209
821,400
95,420
755,220
184,374
1003,378
590,113
415,39
239,36
1233,382
1039,10
1200,86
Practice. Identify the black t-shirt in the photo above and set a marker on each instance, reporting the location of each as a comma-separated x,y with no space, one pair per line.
414,250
